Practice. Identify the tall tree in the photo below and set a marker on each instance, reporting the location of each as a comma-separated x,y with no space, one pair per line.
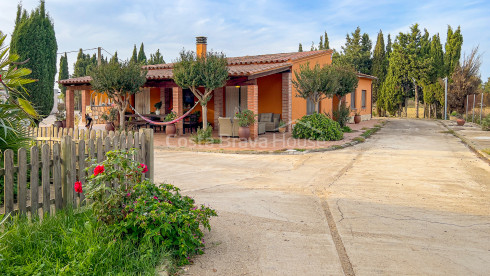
114,58
313,48
388,46
454,41
34,40
156,58
134,57
326,44
300,49
210,72
379,64
63,74
142,55
346,81
356,52
118,81
320,44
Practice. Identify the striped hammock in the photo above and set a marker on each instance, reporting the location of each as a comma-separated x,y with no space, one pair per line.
164,123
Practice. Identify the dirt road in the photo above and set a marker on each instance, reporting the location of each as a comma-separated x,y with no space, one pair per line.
411,200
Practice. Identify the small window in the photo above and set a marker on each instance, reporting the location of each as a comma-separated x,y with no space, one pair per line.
363,98
353,100
310,107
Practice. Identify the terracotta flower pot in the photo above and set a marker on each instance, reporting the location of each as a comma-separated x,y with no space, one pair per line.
282,130
171,130
460,122
109,126
58,124
357,119
244,133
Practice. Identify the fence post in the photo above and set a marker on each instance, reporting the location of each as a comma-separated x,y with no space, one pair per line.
8,187
481,106
66,191
58,196
45,157
34,180
22,180
149,155
473,116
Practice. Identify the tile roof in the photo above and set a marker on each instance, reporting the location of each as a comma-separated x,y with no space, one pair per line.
361,75
237,66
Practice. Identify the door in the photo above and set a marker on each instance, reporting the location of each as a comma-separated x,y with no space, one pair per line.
236,100
142,101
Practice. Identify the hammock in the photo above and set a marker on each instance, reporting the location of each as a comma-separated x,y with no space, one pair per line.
164,123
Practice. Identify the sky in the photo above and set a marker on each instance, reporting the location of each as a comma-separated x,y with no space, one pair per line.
239,28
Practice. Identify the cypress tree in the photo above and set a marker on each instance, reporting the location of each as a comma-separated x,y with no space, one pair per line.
34,39
454,41
80,66
300,49
379,64
437,58
114,58
63,74
320,45
141,55
388,47
134,57
326,44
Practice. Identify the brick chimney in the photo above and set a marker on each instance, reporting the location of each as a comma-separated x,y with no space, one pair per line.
201,46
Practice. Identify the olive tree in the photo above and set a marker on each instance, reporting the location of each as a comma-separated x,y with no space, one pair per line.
192,72
119,81
315,83
346,81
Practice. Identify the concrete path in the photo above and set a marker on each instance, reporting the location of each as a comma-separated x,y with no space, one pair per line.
412,200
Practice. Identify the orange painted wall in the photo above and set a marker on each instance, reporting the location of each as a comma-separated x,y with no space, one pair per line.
270,94
364,84
210,109
154,97
299,104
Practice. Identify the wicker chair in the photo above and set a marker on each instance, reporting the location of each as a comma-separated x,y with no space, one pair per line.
225,126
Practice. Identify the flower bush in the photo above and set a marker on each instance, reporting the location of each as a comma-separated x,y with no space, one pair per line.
136,208
317,127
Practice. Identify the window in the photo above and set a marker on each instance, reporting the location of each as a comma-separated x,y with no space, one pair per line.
310,107
363,98
353,100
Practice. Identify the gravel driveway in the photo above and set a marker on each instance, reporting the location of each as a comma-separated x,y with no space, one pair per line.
410,200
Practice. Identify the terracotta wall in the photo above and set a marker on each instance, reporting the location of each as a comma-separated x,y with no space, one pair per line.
154,98
364,84
270,94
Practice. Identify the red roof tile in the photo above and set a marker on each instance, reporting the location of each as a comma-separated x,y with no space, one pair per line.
80,80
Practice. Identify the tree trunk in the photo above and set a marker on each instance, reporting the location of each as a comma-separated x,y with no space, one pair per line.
406,107
316,106
416,101
425,109
429,110
121,118
204,116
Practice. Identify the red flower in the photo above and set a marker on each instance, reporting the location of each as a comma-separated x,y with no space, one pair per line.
155,197
98,169
145,168
78,187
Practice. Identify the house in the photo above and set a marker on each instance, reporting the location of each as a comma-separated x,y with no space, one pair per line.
259,83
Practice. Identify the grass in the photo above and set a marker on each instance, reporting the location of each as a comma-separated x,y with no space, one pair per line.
487,151
73,243
359,139
369,132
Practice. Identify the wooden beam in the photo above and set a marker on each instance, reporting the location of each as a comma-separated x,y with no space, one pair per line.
79,87
271,72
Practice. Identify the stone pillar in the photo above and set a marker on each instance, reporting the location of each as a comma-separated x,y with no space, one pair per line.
162,99
70,108
218,106
178,107
85,102
253,105
286,99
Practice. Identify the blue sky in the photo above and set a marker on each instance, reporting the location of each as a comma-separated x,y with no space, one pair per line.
248,27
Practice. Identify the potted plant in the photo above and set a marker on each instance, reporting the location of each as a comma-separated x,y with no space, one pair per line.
60,119
357,118
245,119
158,106
170,129
109,119
460,121
282,127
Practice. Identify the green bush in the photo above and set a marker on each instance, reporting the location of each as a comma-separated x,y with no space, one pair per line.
346,129
144,212
485,123
317,127
205,136
342,114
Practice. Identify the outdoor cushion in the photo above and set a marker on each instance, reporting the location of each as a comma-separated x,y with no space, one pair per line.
266,117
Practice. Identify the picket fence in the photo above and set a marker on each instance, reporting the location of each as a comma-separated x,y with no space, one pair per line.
58,158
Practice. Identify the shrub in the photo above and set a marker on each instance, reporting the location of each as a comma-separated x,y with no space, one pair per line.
144,212
346,129
342,114
204,136
245,118
317,127
485,123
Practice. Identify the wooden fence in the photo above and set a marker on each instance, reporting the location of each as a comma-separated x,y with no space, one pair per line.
57,159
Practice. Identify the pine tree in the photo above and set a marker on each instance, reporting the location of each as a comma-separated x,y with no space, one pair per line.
300,49
326,44
134,57
379,64
156,58
141,55
63,73
356,52
454,41
34,40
